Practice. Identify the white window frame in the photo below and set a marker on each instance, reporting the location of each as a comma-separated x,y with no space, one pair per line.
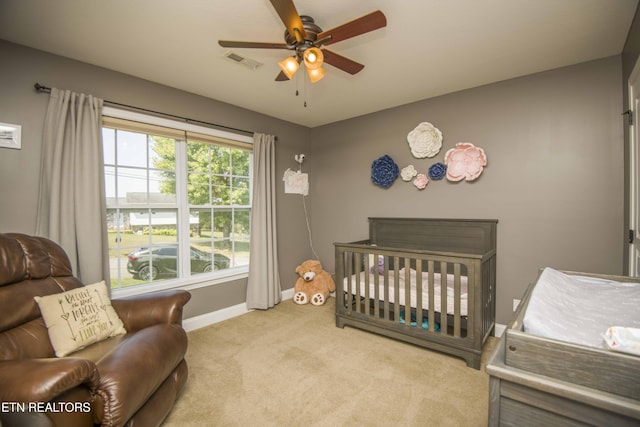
200,280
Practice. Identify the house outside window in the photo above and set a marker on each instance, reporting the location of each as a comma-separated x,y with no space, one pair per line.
178,199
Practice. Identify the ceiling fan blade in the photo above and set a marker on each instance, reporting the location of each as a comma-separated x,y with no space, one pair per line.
362,25
282,77
338,61
254,45
290,17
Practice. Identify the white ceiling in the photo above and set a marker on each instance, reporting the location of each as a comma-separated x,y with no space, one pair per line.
429,47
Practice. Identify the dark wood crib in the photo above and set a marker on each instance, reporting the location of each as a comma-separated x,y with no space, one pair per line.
429,282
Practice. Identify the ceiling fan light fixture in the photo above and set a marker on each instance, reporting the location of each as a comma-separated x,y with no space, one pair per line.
313,58
307,39
316,74
289,66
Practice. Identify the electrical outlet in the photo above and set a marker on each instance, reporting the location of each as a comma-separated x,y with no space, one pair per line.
516,302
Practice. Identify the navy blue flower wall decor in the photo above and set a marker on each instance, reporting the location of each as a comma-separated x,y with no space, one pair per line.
437,171
384,171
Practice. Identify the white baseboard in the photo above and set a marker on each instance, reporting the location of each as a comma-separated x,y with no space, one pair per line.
499,329
197,322
287,294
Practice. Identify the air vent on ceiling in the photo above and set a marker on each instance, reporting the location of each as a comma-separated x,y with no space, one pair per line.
243,60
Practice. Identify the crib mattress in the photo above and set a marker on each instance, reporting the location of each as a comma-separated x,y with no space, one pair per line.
580,309
359,279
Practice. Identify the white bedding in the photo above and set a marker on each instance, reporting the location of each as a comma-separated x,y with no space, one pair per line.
425,289
580,309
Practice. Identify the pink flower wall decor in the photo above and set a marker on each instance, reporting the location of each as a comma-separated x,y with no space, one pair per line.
421,181
465,161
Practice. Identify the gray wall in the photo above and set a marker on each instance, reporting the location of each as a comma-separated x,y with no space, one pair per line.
19,169
630,56
554,176
631,50
554,180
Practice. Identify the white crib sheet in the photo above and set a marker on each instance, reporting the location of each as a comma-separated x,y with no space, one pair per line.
579,309
425,289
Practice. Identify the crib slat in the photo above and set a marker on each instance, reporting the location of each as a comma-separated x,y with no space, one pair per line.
366,307
407,291
418,293
376,293
396,288
456,299
386,288
402,313
472,326
444,326
348,268
432,315
407,278
340,271
358,284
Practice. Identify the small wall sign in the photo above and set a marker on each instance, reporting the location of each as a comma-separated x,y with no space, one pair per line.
10,135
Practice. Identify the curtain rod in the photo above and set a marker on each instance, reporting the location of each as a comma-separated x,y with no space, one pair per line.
45,89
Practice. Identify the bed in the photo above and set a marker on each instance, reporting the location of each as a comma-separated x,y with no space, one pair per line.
429,282
557,362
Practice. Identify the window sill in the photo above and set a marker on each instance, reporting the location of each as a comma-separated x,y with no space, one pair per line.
188,284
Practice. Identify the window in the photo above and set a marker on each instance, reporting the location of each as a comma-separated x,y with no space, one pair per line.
178,201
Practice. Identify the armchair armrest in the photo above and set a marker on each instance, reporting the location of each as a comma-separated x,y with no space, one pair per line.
42,380
140,311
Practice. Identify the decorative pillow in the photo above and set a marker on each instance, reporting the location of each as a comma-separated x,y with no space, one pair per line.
79,317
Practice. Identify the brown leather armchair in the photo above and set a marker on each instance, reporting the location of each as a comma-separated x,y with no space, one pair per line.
130,379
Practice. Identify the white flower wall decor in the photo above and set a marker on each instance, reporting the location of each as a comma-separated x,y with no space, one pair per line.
425,140
408,173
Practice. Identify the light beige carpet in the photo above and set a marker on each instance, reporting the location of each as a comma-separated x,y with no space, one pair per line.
291,366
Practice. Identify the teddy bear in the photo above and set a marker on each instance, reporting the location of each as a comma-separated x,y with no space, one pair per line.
378,268
314,284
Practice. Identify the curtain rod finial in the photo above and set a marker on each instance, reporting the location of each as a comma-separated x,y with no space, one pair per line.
41,88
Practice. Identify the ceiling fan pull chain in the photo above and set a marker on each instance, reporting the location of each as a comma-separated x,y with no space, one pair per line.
305,87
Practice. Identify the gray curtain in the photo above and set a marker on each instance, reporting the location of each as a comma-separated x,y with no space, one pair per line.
263,287
71,201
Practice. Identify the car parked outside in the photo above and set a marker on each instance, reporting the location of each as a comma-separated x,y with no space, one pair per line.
147,264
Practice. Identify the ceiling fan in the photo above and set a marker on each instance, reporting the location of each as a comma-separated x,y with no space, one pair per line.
306,40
